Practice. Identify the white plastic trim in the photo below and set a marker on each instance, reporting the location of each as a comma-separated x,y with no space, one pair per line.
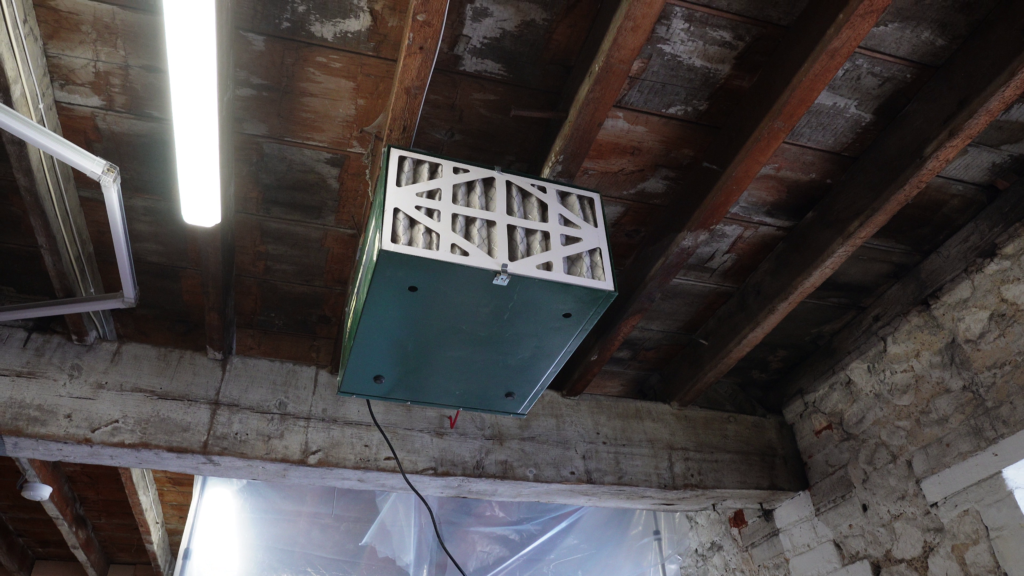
404,198
110,181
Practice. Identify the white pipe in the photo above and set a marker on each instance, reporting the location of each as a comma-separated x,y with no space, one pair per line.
62,307
111,185
109,178
51,142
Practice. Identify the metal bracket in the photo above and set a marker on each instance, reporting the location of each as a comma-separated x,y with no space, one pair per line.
502,278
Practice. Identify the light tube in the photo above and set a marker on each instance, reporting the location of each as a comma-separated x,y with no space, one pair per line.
190,28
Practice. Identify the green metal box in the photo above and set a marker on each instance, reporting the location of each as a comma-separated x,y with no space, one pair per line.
473,286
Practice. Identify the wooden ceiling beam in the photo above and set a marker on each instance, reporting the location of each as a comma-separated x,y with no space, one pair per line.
65,510
424,26
14,556
230,423
149,515
624,35
980,80
46,185
811,53
217,243
975,240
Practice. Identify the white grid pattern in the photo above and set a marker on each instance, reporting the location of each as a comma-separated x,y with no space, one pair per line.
425,204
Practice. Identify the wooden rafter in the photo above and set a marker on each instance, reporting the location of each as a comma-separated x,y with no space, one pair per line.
811,53
217,243
979,81
625,35
975,240
424,26
47,186
65,510
14,556
145,501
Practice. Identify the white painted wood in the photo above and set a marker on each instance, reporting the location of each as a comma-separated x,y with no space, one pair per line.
131,405
149,515
405,199
975,469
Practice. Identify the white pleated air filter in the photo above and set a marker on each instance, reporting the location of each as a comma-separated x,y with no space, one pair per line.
473,216
474,286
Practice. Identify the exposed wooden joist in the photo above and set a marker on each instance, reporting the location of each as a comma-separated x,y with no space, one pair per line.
14,556
217,243
65,510
147,407
975,240
145,501
979,81
811,53
424,26
47,186
625,35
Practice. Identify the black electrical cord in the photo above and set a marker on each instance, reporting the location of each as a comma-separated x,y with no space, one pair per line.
413,488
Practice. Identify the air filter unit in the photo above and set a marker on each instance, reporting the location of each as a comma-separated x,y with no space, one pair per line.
474,286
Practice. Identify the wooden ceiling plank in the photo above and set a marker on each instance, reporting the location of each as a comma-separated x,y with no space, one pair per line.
809,56
217,243
628,30
47,186
145,500
977,239
979,81
65,510
15,557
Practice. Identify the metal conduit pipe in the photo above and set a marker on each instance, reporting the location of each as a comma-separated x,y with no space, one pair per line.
109,178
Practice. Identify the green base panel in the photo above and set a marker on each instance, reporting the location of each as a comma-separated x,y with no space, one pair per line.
440,334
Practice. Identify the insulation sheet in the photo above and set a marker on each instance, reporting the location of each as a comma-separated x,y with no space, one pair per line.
246,528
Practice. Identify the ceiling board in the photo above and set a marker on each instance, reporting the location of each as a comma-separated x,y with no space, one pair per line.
865,95
531,43
926,31
696,65
307,93
372,28
287,181
641,157
471,119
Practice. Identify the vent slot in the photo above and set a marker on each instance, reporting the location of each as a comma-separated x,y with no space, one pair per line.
412,171
520,203
526,242
588,264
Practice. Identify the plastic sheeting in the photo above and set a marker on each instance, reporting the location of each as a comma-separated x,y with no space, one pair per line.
244,528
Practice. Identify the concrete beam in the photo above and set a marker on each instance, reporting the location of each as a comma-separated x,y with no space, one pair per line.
138,406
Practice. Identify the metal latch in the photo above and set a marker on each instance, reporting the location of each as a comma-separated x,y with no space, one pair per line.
502,278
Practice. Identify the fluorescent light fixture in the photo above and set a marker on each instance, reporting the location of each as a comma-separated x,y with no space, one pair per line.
190,27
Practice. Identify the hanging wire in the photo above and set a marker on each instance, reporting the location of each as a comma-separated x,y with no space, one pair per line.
413,488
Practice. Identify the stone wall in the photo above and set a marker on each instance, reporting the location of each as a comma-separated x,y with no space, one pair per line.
721,548
943,383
